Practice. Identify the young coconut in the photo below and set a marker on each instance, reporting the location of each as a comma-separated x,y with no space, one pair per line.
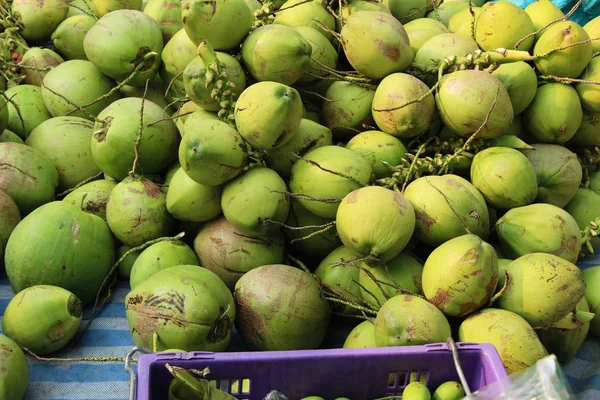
378,147
75,85
9,218
188,200
593,30
117,140
81,254
515,340
31,109
464,100
212,152
362,336
36,63
312,14
420,30
81,7
92,197
42,318
265,191
520,81
167,13
28,176
505,177
267,114
40,18
558,171
436,49
585,207
464,22
562,123
460,276
406,11
125,42
376,44
589,93
563,50
591,276
446,207
230,254
503,25
224,23
355,6
324,57
14,375
66,141
395,91
348,108
68,37
126,265
159,256
184,307
277,53
542,13
280,308
176,55
103,7
136,212
542,288
444,12
408,321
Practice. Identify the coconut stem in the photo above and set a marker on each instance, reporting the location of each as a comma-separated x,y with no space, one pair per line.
316,164
80,184
329,200
567,81
82,359
15,105
315,233
567,46
138,139
413,101
590,232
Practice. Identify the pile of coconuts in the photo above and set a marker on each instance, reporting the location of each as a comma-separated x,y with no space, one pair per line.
425,170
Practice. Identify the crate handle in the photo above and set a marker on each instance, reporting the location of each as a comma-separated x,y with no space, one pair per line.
452,344
132,375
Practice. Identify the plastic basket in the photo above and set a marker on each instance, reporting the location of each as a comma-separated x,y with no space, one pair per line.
360,374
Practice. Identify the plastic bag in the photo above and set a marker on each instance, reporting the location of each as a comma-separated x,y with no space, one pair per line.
542,381
275,395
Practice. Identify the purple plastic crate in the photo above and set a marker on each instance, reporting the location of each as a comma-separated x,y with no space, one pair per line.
360,374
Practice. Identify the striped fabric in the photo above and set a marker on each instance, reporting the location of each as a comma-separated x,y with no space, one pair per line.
109,337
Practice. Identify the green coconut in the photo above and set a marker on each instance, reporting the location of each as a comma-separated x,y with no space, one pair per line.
589,94
136,212
223,23
221,248
449,390
31,109
516,342
28,176
9,218
77,84
265,190
42,318
92,197
125,41
542,13
199,90
176,55
348,108
81,7
379,148
408,321
306,13
14,374
66,142
464,100
375,222
421,30
591,276
542,228
196,312
362,336
435,50
324,56
406,11
446,207
10,136
585,208
197,114
520,81
558,171
594,183
103,7
464,22
395,91
154,93
212,152
355,6
565,119
184,111
563,50
309,135
323,237
277,53
267,114
416,391
588,132
158,257
505,177
401,275
79,259
167,13
313,177
503,24
542,288
116,136
376,44
339,272
460,276
188,200
39,18
593,30
36,63
68,37
446,10
126,265
280,308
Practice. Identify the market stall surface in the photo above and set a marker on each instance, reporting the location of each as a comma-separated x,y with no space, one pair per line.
109,336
